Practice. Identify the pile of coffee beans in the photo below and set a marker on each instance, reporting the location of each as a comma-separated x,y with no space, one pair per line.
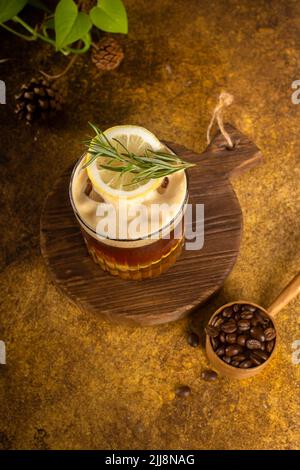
242,335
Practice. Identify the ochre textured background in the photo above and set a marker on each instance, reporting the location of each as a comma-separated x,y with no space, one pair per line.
73,381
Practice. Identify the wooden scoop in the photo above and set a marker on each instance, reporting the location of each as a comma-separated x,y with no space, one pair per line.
288,293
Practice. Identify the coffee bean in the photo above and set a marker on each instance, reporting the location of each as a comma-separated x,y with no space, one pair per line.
254,321
248,307
270,334
261,354
229,326
220,351
226,359
222,337
231,338
246,315
212,331
257,333
219,322
209,375
244,325
236,308
234,362
183,391
241,340
165,182
237,316
233,350
193,340
253,344
245,364
215,342
240,357
263,320
256,360
227,312
270,346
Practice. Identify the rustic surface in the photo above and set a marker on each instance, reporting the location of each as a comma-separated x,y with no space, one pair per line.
92,289
75,382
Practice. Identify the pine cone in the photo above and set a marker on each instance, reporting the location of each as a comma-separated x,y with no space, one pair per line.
38,99
107,54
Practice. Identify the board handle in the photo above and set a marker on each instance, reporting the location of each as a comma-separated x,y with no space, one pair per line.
221,160
289,293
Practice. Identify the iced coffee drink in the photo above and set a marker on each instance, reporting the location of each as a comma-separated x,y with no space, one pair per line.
128,193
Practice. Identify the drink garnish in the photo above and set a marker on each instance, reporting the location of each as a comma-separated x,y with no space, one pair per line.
116,171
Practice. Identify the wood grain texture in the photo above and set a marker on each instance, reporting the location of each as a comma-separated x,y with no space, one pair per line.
194,277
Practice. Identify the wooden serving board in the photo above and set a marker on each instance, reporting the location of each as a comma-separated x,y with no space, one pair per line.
194,277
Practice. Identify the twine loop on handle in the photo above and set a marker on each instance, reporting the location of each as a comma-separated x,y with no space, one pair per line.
225,100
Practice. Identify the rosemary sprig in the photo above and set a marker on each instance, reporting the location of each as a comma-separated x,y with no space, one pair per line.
150,165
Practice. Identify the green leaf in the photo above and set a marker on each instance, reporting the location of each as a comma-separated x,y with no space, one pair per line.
80,28
110,16
39,4
10,8
65,16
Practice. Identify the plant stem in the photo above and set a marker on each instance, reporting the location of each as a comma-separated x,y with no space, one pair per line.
34,33
71,62
59,75
23,36
43,37
79,51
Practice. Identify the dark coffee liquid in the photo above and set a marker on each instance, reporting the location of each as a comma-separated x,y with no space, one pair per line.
138,262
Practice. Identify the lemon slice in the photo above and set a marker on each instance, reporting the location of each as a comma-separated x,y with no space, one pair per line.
113,185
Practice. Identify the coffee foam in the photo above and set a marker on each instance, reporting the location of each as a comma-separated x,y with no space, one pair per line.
172,199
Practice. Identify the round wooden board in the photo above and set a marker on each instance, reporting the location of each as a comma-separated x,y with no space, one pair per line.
194,277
